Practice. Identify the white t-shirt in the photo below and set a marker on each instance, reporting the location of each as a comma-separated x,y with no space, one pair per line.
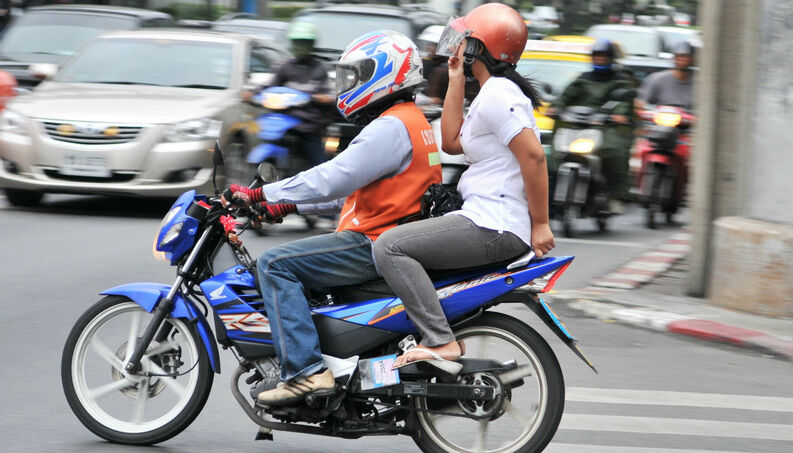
492,186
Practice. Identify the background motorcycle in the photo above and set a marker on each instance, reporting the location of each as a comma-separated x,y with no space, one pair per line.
663,149
579,185
278,139
138,366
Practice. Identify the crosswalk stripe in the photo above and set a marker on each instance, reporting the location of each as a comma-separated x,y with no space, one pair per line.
676,426
664,398
579,448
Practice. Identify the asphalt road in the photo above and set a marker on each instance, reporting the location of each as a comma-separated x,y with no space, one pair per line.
655,392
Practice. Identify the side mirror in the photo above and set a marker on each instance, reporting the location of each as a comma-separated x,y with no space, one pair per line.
267,172
43,70
257,79
217,155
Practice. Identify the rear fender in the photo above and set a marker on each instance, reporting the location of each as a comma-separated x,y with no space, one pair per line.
148,294
549,317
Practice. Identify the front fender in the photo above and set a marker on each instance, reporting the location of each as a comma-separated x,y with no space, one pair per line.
266,151
148,294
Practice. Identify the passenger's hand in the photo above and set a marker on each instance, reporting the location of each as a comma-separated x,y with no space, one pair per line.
541,239
456,65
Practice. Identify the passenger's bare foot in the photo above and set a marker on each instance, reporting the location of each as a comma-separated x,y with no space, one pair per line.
449,351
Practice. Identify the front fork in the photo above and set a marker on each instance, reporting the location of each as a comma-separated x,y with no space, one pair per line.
163,309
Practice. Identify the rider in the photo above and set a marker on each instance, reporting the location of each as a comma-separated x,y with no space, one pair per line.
308,74
383,175
436,69
592,89
673,86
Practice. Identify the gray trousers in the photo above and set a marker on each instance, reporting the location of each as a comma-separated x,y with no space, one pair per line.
449,242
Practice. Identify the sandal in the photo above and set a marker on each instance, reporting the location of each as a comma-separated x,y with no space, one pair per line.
447,366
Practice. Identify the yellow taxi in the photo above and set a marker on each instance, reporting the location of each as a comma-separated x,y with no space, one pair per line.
553,63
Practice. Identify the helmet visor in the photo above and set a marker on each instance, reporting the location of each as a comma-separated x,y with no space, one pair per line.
351,75
451,37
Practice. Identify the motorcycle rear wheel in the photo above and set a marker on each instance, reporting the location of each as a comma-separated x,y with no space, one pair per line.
131,409
513,430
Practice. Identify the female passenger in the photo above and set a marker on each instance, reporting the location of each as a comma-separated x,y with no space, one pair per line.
504,190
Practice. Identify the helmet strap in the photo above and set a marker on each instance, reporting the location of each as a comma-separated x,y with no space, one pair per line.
476,50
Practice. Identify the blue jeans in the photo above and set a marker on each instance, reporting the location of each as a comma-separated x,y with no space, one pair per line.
287,271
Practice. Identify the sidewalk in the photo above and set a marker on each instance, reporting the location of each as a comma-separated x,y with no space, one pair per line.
649,292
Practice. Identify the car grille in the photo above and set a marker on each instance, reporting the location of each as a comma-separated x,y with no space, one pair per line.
91,133
115,177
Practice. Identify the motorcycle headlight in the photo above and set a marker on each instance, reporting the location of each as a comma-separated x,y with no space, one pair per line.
12,122
582,146
277,101
170,235
193,130
667,119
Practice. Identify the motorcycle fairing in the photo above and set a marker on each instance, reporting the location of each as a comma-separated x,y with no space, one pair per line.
265,151
273,126
178,246
147,294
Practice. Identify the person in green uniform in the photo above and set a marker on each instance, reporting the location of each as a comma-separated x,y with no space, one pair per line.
593,89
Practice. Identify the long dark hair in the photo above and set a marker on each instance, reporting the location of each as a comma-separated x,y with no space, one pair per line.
503,69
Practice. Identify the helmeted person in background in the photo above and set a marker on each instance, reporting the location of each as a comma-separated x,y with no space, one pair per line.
673,86
593,89
504,190
308,74
436,69
377,181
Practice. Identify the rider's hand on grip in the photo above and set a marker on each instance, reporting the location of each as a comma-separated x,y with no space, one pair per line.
275,212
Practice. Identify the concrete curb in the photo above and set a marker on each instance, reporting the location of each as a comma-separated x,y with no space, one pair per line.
601,301
662,321
648,266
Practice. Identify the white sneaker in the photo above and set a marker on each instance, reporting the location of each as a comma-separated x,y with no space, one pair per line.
296,389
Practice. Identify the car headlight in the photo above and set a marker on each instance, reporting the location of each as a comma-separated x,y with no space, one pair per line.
193,130
12,122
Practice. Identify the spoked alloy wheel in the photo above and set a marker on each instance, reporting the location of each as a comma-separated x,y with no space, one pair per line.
125,408
532,394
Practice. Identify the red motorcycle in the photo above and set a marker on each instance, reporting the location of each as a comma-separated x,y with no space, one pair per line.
663,148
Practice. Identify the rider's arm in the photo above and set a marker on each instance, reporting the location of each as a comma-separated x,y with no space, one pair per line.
452,114
382,149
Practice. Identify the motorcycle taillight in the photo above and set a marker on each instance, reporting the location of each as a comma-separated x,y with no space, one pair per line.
546,283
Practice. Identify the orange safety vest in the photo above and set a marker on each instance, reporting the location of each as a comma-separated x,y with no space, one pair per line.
380,205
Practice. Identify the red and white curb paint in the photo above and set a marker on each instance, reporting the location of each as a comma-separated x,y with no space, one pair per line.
686,325
646,267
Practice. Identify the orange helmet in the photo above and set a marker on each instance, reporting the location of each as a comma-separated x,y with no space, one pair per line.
499,27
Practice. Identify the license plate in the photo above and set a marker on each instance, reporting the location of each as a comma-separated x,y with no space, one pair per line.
85,165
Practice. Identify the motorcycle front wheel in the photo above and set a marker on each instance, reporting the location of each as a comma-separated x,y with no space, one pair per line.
532,394
133,409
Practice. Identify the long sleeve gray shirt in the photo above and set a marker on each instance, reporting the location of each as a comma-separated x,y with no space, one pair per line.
381,150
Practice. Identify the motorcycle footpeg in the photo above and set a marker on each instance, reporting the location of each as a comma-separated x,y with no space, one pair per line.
407,343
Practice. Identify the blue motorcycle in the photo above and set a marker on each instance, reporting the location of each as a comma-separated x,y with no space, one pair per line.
138,366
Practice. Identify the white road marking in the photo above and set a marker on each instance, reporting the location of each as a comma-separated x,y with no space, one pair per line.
676,426
664,398
578,448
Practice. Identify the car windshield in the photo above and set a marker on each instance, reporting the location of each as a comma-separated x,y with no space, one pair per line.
51,36
164,62
636,43
345,27
554,73
672,37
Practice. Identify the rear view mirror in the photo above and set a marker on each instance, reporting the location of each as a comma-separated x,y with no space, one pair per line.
43,70
267,172
217,155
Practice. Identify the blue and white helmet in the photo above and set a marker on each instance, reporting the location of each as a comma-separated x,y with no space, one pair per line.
374,66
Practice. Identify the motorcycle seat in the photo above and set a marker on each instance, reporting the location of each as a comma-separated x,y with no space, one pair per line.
379,289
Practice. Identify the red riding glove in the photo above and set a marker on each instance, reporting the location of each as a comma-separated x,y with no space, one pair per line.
275,212
250,196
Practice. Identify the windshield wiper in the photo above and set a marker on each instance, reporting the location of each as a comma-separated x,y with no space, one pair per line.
198,85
